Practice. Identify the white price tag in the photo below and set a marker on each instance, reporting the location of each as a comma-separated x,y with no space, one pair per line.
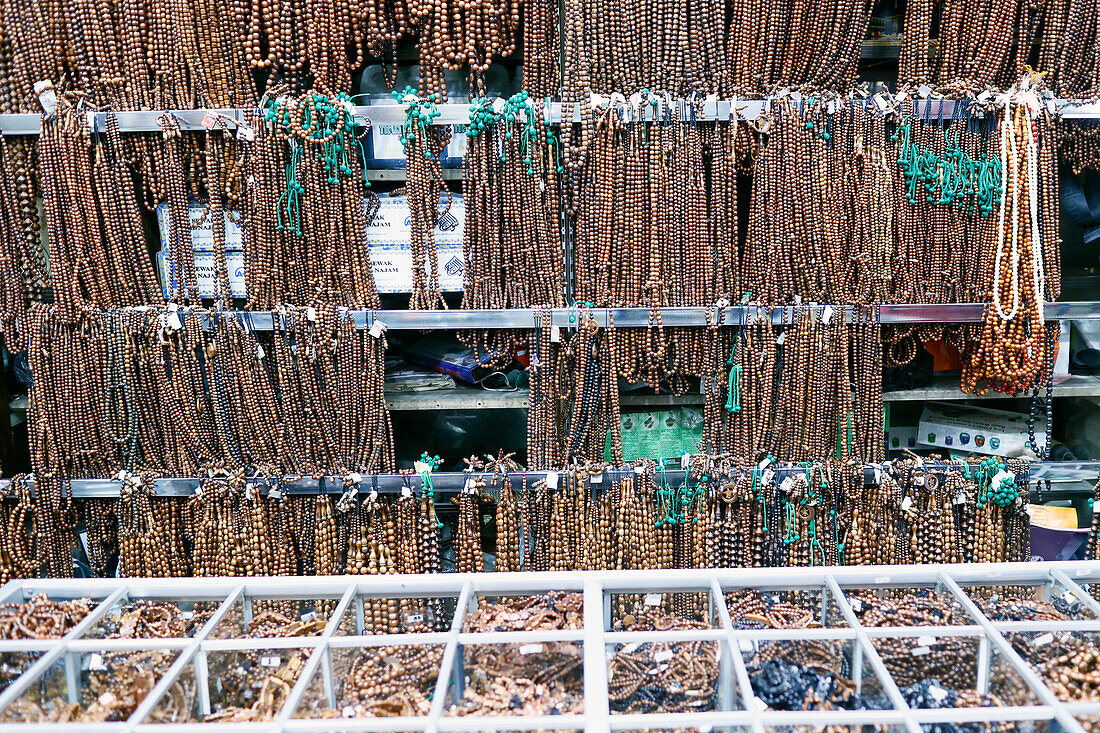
377,329
906,503
47,96
209,120
406,492
174,321
530,649
746,645
414,618
960,498
551,480
663,656
1043,640
597,479
782,337
924,91
827,315
901,96
938,693
187,615
652,599
555,334
244,132
640,470
260,351
786,484
270,661
309,616
768,475
685,461
763,463
857,605
1068,597
926,640
95,663
920,651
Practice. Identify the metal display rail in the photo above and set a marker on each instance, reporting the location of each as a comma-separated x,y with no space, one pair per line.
316,688
452,482
735,315
710,109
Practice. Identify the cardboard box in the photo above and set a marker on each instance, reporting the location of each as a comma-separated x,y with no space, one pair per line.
388,236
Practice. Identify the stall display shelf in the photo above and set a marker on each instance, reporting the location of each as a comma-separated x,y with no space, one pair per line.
711,109
737,315
826,592
463,397
451,482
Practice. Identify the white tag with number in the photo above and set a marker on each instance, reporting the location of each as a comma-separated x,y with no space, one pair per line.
270,661
530,649
309,616
377,329
652,599
551,480
597,479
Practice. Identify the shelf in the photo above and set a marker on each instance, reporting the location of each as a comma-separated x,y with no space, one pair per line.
527,318
463,397
398,174
312,694
947,388
451,482
712,109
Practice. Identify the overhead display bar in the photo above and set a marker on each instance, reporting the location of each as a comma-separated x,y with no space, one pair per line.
706,110
641,317
455,481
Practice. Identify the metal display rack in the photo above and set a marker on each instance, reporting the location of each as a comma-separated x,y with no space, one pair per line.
318,688
639,317
711,109
452,482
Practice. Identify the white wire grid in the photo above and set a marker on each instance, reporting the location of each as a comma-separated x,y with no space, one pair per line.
736,709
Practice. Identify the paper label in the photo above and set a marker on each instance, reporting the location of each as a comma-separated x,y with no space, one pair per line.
597,479
530,649
270,661
653,599
377,328
555,334
1043,640
906,503
857,605
414,618
551,480
663,656
244,132
309,616
389,236
206,274
920,651
1068,597
827,315
926,640
938,693
209,120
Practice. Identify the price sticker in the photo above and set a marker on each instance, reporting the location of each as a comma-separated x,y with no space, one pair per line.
926,640
406,492
95,663
938,693
857,605
270,661
1043,640
187,615
377,329
555,334
827,315
1068,597
768,475
260,353
652,599
640,470
663,656
246,133
209,120
596,479
782,337
530,649
551,480
414,618
920,651
309,616
786,484
906,503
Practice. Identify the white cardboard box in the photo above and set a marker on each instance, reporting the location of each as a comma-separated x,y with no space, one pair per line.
388,235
